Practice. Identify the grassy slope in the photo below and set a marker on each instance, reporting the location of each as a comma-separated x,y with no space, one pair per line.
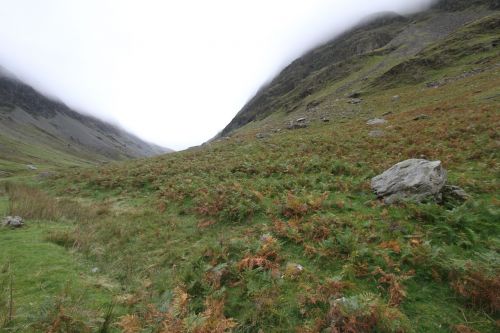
213,233
45,158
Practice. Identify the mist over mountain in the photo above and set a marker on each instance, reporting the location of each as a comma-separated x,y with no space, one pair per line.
31,120
174,73
395,37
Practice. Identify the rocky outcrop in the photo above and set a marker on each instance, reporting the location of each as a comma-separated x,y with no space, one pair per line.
414,180
298,123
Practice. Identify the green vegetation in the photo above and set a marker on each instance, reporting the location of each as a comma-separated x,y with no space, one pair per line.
279,234
43,287
217,234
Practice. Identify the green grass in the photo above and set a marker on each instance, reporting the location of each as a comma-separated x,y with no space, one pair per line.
44,157
48,281
190,220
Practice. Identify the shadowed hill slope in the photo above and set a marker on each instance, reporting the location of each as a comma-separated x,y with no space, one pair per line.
35,129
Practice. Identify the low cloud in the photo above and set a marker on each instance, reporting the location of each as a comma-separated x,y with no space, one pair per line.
172,72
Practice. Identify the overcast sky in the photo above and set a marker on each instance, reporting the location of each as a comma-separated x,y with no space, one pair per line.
172,72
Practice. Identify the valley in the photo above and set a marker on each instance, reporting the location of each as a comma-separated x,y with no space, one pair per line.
273,225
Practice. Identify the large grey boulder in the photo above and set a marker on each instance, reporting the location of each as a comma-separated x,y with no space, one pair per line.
411,180
13,222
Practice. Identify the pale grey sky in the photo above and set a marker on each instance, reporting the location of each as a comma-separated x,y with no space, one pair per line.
172,72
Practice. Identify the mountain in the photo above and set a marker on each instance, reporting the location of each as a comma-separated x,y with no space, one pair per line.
35,129
356,60
277,226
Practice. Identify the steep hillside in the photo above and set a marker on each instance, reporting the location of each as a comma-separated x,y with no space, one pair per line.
353,61
35,130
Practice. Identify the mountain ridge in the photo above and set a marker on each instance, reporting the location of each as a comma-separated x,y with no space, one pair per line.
393,36
30,119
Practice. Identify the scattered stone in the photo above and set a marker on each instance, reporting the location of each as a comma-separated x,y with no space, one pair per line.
13,222
325,120
95,270
376,121
312,105
396,98
301,120
261,136
434,84
355,100
421,117
454,193
354,94
293,270
266,237
411,180
31,167
376,133
294,125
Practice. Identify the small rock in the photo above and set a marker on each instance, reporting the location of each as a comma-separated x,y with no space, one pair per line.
354,94
301,120
95,270
376,133
376,121
411,180
434,84
312,105
31,167
13,222
421,117
261,136
293,270
396,98
355,100
454,193
387,113
266,237
325,120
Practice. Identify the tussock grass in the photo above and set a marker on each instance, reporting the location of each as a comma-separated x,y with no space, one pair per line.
32,203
